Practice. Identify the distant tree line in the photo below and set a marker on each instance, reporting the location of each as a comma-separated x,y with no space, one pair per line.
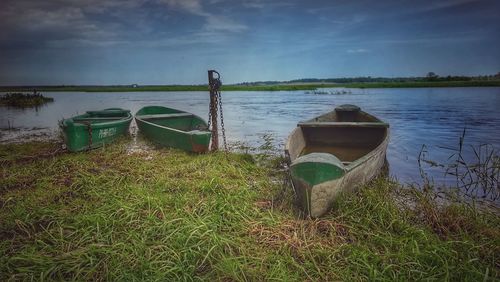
431,76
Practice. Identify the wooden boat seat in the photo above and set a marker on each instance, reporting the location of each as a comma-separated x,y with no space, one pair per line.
343,124
165,116
319,158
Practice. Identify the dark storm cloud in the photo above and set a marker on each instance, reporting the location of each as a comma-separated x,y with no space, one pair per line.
112,41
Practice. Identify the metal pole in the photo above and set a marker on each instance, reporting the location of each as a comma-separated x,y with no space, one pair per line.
213,87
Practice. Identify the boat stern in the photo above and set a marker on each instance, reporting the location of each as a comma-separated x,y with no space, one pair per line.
74,137
200,141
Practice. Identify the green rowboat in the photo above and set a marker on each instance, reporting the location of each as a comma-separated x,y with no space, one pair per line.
95,128
174,128
333,153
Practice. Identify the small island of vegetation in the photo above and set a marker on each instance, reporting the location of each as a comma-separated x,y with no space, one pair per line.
24,100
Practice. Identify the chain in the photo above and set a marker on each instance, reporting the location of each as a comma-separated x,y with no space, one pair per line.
219,101
209,117
214,86
211,110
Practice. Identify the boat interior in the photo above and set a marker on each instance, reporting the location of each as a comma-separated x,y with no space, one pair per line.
102,116
346,143
347,133
181,121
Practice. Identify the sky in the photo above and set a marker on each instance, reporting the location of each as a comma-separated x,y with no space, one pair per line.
96,42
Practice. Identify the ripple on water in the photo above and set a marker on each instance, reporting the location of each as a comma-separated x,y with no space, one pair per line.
432,116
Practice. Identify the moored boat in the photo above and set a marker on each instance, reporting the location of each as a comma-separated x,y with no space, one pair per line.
95,128
333,153
174,128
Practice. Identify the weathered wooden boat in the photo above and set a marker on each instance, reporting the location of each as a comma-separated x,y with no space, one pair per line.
95,128
174,128
333,153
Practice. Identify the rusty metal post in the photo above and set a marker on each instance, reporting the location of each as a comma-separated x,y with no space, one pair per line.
213,86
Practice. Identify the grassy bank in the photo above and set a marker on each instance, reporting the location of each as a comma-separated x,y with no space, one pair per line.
168,88
271,87
168,215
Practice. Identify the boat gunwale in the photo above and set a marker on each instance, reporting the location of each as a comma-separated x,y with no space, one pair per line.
342,124
314,119
99,124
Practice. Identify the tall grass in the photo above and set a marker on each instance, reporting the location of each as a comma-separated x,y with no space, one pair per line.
476,177
110,214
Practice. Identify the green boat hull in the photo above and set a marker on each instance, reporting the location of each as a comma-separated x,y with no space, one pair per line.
95,128
174,128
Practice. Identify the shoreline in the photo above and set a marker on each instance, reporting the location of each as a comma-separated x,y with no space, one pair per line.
270,87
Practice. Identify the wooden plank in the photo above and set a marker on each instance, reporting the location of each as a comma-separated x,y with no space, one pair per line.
343,124
165,115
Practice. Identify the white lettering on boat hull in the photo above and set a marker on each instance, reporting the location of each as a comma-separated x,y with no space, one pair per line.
106,132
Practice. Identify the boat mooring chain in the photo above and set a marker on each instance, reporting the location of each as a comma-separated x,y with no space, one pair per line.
219,101
211,110
215,85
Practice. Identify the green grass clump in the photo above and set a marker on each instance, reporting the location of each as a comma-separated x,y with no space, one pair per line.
26,151
164,214
412,236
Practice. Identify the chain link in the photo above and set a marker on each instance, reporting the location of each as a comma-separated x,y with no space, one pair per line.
219,100
209,117
210,111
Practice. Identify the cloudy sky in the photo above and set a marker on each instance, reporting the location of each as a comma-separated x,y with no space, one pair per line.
176,41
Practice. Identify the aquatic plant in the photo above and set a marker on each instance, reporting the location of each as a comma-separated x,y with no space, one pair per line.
476,177
323,92
22,100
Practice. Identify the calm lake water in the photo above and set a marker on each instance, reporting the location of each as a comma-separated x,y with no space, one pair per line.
431,116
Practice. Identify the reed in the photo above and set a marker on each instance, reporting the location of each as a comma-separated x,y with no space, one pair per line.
476,177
